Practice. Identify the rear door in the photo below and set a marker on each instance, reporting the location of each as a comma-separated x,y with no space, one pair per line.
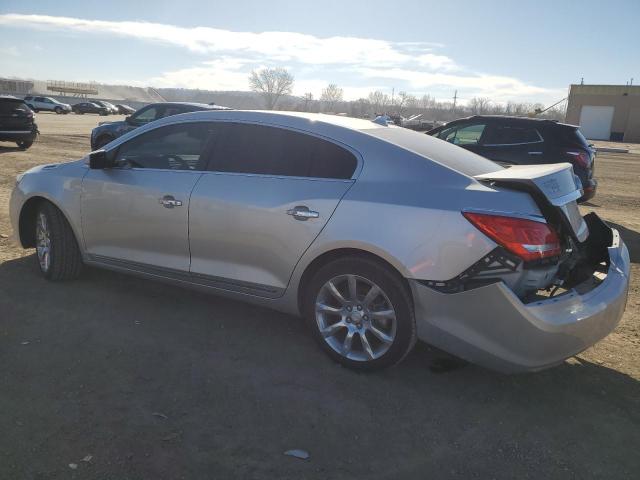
511,144
268,195
136,215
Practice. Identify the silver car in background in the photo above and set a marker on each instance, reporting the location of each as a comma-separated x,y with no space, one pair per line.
375,234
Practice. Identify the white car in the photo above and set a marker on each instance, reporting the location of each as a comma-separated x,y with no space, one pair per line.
38,104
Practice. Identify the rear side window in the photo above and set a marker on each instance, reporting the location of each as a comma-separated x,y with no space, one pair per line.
259,149
570,137
508,135
174,147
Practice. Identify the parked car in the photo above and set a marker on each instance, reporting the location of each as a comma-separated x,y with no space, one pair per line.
377,235
89,107
17,122
108,131
111,108
524,141
46,104
124,109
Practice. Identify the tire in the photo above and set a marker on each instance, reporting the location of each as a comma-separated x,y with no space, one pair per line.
55,240
102,141
58,110
360,317
35,110
24,144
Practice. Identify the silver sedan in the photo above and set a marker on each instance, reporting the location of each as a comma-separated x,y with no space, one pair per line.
377,235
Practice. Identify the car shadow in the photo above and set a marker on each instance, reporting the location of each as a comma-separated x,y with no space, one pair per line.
252,382
7,149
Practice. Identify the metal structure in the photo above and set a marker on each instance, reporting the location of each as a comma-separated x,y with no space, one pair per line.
72,88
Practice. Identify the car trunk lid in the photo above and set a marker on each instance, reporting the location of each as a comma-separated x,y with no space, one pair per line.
554,187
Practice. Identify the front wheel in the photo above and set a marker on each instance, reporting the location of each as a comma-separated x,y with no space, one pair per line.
361,313
57,251
24,144
58,110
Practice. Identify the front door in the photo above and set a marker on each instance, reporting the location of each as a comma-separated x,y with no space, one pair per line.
137,214
268,196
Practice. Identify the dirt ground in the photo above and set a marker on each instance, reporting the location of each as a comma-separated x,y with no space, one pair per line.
148,381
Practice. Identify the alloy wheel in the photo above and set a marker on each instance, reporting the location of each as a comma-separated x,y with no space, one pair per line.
43,242
355,317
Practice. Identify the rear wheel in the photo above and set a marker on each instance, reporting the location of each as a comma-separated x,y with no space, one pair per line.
57,251
361,313
24,144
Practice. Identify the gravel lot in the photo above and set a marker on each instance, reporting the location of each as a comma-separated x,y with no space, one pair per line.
146,381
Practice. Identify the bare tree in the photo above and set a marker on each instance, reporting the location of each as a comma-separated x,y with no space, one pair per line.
272,83
427,101
331,96
379,101
308,98
479,105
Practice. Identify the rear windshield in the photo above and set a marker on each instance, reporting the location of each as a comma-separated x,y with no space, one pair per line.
443,152
8,106
570,136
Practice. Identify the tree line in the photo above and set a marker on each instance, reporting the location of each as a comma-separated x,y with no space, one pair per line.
275,85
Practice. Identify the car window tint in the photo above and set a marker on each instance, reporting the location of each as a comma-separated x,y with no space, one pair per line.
508,135
8,107
174,147
146,116
171,110
39,99
276,151
463,135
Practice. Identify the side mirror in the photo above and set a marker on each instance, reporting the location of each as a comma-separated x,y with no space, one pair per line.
129,120
99,160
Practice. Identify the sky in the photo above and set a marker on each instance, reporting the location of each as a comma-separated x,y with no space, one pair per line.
503,50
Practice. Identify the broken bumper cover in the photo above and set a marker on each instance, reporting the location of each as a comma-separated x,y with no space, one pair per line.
490,326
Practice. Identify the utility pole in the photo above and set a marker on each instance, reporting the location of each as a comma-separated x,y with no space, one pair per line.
455,98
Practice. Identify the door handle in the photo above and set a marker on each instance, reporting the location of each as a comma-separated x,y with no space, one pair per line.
168,201
302,213
534,153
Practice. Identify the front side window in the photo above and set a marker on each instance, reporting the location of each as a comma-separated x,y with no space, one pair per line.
146,116
39,99
258,149
508,135
174,147
463,135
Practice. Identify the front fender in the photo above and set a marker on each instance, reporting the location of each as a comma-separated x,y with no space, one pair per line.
60,184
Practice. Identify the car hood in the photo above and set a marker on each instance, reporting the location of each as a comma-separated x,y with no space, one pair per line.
111,124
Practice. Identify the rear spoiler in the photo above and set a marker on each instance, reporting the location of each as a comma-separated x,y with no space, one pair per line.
556,183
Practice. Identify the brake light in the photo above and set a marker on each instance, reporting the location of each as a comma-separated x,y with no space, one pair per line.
528,239
579,157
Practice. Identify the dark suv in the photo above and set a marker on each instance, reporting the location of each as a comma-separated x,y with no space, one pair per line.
524,141
108,131
17,122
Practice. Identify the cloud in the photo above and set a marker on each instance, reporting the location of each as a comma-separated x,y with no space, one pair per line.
10,51
359,65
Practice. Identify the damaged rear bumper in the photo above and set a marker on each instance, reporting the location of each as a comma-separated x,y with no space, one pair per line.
492,327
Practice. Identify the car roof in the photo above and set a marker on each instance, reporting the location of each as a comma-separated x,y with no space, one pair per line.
203,106
512,119
283,118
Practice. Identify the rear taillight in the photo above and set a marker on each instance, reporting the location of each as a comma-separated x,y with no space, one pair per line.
528,239
579,157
